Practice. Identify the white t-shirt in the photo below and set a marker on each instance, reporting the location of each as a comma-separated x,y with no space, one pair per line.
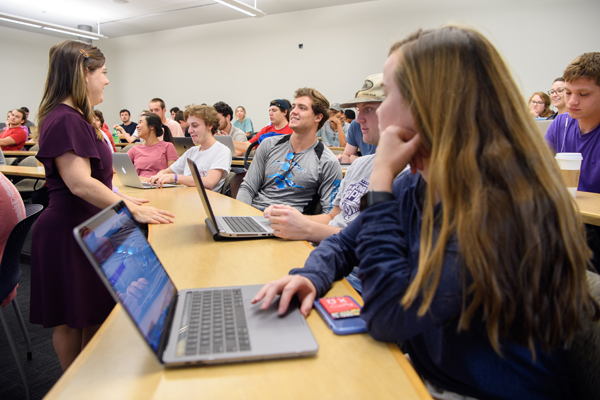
218,156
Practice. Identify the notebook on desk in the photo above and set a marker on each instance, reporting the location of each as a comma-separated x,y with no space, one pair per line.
190,326
128,174
230,227
228,142
182,144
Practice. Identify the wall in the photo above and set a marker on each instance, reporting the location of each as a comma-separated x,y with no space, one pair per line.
252,61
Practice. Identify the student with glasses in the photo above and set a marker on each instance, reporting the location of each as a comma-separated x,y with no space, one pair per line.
557,95
477,259
296,170
539,105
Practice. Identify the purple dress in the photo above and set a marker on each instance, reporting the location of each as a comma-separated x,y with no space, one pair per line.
65,289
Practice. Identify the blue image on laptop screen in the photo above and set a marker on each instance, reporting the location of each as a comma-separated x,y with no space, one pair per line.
133,270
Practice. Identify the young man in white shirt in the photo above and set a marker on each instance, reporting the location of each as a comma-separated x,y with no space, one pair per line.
212,158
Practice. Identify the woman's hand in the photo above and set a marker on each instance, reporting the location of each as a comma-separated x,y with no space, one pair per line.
288,286
396,149
151,215
134,200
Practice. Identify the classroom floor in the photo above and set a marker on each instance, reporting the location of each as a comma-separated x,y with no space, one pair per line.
44,370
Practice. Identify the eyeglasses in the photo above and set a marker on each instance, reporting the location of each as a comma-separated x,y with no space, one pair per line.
557,91
539,103
286,167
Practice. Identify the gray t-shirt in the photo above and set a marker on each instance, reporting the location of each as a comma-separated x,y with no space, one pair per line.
237,134
354,185
266,182
329,136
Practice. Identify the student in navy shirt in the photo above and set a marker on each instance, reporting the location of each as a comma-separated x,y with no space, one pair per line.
477,260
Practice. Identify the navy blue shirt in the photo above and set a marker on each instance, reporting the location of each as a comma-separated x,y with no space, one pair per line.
355,138
384,242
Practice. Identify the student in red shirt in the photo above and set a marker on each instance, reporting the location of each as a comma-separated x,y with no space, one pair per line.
279,114
14,137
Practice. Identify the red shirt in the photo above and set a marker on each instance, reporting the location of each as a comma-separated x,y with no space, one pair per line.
18,135
286,130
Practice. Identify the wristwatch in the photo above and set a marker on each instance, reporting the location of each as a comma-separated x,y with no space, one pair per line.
370,198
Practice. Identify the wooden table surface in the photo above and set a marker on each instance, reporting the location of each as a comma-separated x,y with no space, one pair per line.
125,144
18,153
589,207
30,172
117,364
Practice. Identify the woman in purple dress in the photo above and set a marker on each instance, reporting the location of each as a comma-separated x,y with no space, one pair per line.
66,292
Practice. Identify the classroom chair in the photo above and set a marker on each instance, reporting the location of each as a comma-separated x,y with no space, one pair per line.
10,273
126,148
27,186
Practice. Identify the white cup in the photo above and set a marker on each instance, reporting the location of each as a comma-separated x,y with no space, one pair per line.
570,167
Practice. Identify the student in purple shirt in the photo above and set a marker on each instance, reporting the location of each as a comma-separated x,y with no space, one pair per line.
579,130
477,260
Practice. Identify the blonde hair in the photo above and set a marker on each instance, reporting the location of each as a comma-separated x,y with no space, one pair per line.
69,62
243,110
208,114
522,244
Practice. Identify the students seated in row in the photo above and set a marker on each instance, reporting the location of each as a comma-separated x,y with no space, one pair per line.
557,95
371,91
297,169
153,155
334,130
279,114
476,260
225,127
212,158
578,131
289,223
13,138
127,131
182,123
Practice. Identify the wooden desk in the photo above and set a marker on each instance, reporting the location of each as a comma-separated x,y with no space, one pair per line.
30,172
14,153
118,364
125,144
589,207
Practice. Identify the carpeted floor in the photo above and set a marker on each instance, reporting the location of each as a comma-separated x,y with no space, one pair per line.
44,370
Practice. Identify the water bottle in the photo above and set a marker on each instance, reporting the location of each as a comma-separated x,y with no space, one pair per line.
115,135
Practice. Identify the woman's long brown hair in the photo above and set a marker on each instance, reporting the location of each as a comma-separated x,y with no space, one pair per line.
69,62
522,242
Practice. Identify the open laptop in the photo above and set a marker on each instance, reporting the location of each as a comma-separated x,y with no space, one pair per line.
190,326
182,144
128,175
230,227
228,141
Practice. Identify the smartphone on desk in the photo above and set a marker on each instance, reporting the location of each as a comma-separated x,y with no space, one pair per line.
341,314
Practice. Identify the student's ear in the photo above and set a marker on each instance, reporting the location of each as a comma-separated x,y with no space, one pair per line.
318,117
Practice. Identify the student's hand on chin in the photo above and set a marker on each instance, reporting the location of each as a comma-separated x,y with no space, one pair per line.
396,149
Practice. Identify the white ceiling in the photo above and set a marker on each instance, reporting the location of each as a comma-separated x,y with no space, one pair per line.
142,16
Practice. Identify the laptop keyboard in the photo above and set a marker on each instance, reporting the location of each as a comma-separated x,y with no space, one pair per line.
217,322
243,224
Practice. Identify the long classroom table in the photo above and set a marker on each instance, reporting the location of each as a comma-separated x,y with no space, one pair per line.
118,364
29,172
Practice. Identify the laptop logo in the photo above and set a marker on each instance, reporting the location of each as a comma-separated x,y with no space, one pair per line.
123,169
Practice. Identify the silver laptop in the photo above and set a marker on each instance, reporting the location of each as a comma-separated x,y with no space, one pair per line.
128,175
234,227
182,144
543,125
228,142
191,326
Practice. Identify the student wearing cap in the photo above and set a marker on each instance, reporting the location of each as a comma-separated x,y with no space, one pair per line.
297,169
279,114
371,94
334,131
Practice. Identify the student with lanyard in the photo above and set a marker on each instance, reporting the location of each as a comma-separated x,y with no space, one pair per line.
476,260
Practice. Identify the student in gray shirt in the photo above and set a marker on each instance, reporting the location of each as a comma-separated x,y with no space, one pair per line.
225,128
297,169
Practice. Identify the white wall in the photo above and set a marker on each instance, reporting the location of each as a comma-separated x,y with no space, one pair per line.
252,61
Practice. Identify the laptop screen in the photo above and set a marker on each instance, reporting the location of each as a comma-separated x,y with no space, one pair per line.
131,267
202,191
